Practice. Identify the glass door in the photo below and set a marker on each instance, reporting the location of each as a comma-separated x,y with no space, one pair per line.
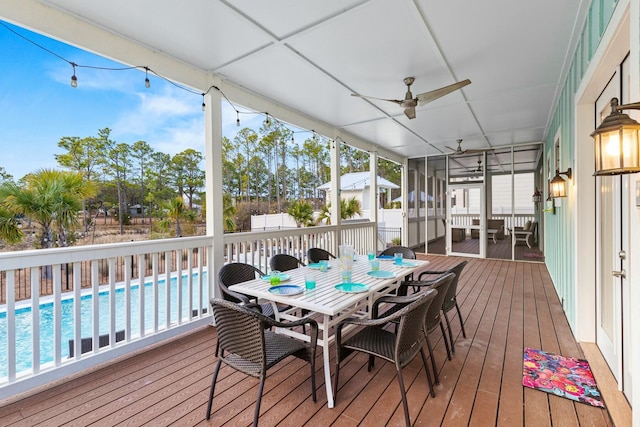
466,231
612,288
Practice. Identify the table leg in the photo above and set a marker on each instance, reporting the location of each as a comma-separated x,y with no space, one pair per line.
326,358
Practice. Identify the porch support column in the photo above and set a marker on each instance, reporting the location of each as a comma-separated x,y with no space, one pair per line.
404,179
335,191
634,220
213,172
374,197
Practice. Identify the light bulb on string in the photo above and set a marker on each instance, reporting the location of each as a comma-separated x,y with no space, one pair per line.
147,83
203,104
267,121
74,79
237,118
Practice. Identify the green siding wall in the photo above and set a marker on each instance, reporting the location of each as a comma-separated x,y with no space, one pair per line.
559,230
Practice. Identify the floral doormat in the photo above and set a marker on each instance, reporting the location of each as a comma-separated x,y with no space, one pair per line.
563,376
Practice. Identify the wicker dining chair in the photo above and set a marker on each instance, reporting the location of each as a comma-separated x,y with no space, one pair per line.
399,348
407,253
318,254
248,346
284,262
450,301
433,319
238,272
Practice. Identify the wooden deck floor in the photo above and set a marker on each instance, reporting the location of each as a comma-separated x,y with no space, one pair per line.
507,306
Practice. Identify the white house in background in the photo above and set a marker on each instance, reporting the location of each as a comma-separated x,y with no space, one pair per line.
356,185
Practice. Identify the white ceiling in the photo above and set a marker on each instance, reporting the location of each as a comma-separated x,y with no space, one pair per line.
310,56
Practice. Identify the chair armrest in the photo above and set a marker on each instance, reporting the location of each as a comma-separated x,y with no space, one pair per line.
399,301
403,301
431,272
253,306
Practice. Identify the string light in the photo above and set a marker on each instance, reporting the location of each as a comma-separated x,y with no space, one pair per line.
147,83
74,79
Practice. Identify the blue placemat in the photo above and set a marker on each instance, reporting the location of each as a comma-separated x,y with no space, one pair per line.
286,290
381,274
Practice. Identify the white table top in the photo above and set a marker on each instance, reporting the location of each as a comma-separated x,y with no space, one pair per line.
325,298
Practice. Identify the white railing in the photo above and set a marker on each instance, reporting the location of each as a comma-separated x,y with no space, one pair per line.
518,220
98,298
256,248
35,333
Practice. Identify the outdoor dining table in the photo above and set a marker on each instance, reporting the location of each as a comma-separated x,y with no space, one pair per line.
327,304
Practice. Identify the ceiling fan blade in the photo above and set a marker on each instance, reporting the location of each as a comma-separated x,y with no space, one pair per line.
395,101
427,97
410,112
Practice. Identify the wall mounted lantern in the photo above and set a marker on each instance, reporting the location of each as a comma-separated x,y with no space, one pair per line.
617,143
537,196
558,186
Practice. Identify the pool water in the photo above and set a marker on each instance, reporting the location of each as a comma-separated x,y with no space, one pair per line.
24,330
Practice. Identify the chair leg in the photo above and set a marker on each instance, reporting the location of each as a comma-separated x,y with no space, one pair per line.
335,380
446,340
403,393
453,347
213,386
256,415
436,380
372,360
313,379
464,334
426,370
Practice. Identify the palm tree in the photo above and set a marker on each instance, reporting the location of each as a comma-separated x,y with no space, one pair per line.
228,212
9,230
50,198
348,209
176,210
302,212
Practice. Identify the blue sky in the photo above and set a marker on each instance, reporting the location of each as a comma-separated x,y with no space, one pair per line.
38,106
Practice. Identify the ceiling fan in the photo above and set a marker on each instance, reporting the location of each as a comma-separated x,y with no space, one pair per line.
458,150
479,168
410,102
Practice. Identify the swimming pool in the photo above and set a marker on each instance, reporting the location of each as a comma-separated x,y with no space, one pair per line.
24,330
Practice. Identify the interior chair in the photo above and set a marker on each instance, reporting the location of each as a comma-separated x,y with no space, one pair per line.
284,262
399,348
525,234
450,302
315,255
247,345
